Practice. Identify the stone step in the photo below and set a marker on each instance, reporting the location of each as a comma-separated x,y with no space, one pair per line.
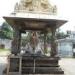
38,70
42,70
40,60
39,65
43,65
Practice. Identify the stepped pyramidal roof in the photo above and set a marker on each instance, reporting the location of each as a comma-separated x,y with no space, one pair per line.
34,15
37,6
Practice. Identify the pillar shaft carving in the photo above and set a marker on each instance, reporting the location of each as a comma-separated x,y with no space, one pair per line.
16,41
53,43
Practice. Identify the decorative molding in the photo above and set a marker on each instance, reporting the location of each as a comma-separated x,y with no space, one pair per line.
38,6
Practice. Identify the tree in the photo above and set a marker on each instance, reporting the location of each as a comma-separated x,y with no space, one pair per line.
6,31
61,35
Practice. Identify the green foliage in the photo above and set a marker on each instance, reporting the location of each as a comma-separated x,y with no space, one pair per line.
25,39
61,35
4,50
6,31
48,38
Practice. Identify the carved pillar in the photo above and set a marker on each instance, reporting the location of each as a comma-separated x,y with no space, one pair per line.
53,43
16,42
45,45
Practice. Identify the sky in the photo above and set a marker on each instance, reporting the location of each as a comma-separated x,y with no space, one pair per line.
65,8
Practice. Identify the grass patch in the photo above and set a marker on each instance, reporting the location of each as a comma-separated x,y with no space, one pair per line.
1,50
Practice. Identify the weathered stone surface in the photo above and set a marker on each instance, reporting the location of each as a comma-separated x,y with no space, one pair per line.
15,49
35,65
38,6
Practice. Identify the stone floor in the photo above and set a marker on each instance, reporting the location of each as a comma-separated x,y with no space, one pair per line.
3,62
67,64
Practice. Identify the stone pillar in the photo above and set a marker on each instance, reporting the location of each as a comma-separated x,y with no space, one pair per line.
16,42
45,43
53,43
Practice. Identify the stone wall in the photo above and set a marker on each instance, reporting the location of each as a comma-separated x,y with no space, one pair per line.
6,43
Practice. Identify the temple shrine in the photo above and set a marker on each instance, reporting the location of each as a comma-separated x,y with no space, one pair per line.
33,17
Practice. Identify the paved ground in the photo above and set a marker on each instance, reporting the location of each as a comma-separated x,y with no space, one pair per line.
3,60
67,64
3,63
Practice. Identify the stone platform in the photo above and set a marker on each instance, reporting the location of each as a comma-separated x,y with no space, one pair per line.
34,65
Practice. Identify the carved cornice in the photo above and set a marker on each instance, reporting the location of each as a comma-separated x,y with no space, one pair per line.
38,6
